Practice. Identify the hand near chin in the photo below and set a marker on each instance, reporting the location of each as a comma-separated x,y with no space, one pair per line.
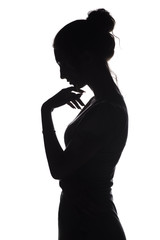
69,96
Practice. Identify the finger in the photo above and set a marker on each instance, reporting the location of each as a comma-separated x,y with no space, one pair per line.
81,91
77,90
71,105
73,96
77,96
69,89
76,104
76,100
80,102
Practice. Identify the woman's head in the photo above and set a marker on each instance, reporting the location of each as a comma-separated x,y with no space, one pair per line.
90,37
93,35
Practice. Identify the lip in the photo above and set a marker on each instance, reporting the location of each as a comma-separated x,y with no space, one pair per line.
69,81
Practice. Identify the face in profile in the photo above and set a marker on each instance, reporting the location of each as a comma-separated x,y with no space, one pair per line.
70,70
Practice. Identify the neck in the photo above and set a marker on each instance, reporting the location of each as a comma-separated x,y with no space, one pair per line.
102,84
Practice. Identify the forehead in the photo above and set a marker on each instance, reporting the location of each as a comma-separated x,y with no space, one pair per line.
62,56
59,55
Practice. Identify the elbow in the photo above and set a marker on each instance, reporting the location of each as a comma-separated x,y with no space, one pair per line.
54,169
57,171
56,177
55,174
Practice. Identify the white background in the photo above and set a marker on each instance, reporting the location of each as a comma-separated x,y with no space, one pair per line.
29,75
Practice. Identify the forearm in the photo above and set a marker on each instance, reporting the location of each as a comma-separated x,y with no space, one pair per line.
55,155
54,152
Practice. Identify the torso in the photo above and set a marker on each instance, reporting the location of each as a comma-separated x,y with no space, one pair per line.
99,170
86,194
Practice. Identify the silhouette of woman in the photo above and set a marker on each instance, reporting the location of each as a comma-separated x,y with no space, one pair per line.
96,137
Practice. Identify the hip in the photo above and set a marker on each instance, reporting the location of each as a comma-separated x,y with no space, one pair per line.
78,223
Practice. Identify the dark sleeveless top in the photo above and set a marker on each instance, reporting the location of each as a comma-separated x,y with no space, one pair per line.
89,187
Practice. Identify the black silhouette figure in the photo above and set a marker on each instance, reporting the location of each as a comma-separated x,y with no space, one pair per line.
96,137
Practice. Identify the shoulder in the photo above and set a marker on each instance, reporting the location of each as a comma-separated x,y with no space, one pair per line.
108,110
104,117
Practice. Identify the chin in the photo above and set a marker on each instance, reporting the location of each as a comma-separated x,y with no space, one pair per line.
78,86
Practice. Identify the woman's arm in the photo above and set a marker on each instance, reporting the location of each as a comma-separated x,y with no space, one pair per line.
54,152
86,143
65,162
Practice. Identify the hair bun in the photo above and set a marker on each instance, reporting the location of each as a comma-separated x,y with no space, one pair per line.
101,19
